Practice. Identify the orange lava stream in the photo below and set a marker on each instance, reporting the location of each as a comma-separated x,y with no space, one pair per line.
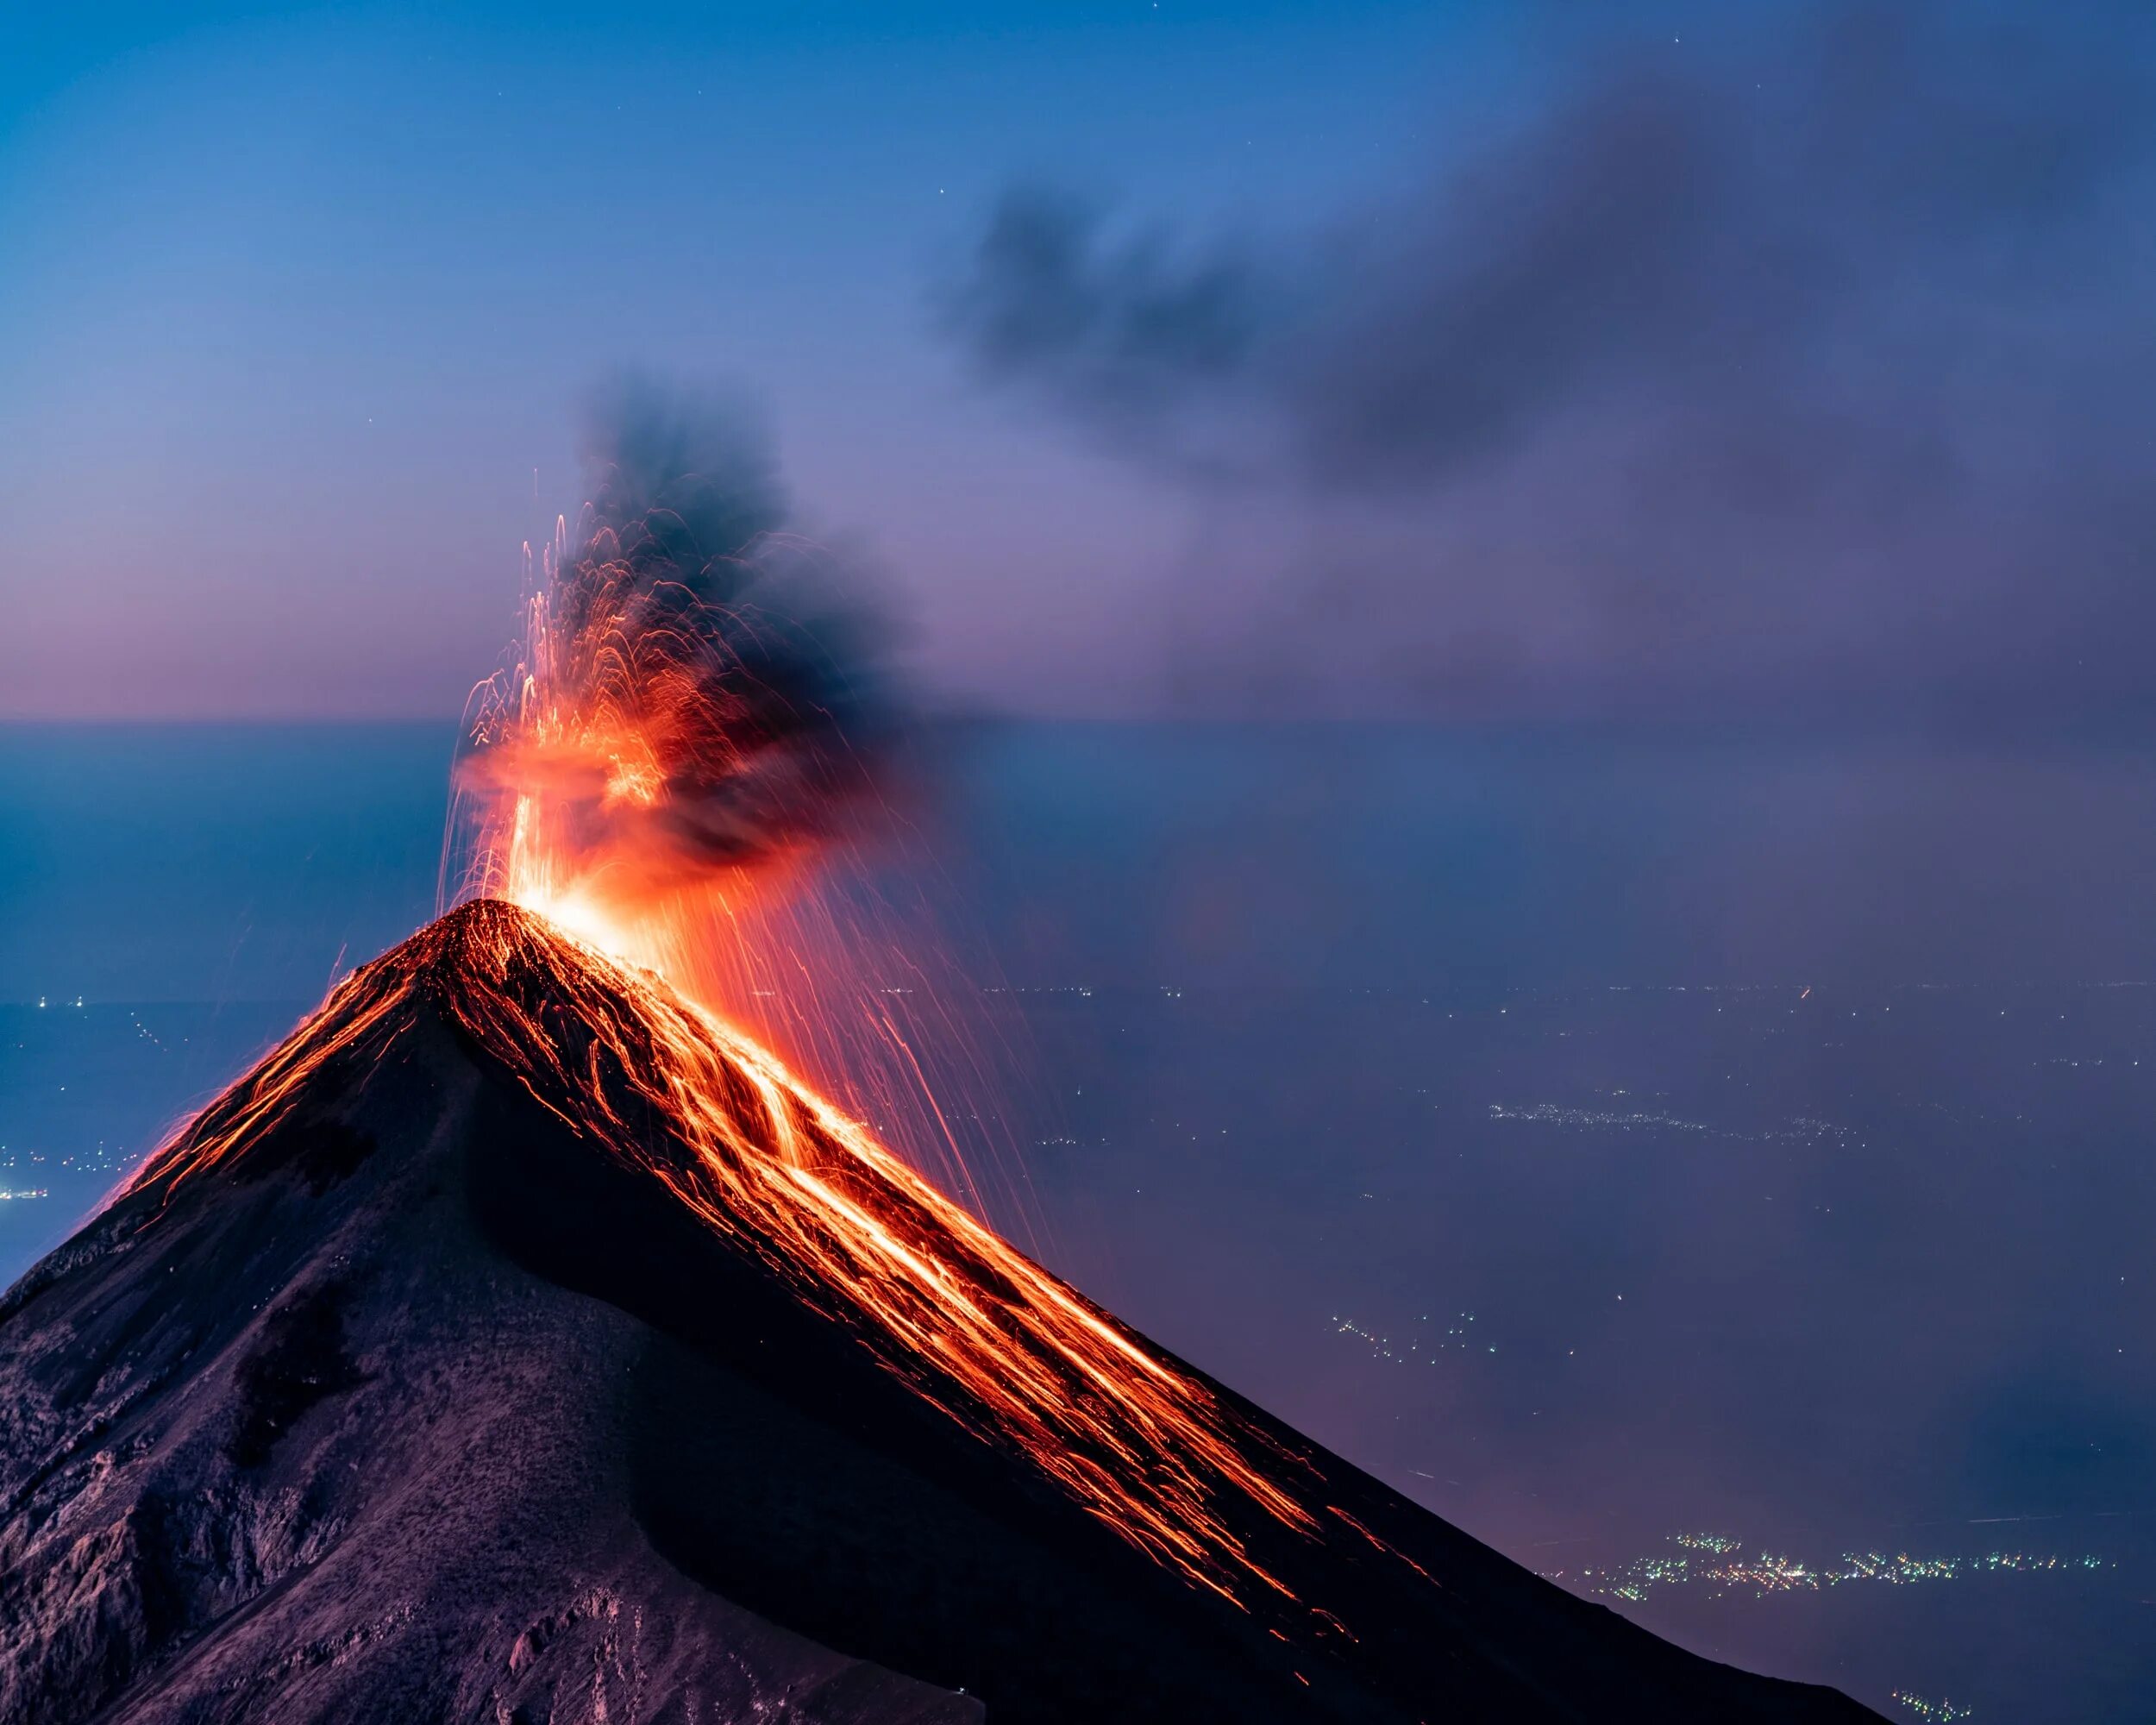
1142,1445
971,1324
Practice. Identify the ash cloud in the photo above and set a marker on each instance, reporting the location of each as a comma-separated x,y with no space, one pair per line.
725,693
1802,365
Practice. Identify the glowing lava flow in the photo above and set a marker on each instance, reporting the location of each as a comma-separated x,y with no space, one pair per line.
971,1324
774,1165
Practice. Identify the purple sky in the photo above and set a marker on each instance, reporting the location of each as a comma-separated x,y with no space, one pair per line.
1385,360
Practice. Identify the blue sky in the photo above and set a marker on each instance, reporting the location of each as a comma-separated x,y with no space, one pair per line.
302,298
1455,360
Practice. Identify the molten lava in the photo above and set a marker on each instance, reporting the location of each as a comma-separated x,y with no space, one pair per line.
970,1323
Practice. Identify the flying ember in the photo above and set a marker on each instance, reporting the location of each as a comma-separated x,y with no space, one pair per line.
692,714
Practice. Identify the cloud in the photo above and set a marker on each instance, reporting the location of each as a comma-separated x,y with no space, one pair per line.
1805,367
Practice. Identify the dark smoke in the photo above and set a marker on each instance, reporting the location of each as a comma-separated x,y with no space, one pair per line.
1810,353
686,617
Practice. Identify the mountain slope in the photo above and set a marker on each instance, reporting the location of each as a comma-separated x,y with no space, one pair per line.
512,1345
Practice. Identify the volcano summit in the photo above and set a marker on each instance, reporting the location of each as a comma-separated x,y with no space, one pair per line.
518,1343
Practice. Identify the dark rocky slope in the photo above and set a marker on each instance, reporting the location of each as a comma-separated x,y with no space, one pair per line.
419,1407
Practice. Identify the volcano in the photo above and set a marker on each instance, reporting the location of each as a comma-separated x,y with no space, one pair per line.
518,1343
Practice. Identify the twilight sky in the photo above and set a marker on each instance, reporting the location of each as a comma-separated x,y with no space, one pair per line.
1343,358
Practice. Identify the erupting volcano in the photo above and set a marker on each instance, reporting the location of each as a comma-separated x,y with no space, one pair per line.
526,1339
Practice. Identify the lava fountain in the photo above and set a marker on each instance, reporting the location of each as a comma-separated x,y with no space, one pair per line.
695,715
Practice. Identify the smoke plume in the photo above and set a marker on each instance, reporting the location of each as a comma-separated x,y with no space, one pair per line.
1802,360
701,690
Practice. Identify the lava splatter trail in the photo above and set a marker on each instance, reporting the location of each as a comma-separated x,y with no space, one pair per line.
776,1166
690,763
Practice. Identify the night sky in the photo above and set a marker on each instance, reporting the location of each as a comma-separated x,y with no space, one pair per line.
1297,360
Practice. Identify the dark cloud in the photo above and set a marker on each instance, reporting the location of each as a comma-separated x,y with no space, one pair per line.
1806,363
1124,334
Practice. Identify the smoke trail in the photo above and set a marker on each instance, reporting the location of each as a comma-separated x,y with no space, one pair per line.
1794,365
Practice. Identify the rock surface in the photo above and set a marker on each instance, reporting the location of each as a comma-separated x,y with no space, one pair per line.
420,1408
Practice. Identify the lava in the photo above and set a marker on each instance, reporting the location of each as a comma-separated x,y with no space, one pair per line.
973,1326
